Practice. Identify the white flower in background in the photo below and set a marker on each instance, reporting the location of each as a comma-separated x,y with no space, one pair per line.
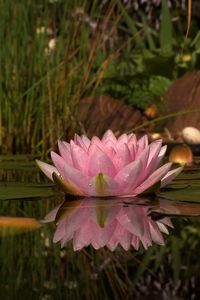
51,46
44,30
52,43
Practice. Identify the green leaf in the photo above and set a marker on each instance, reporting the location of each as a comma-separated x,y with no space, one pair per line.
190,193
132,27
166,30
148,34
18,190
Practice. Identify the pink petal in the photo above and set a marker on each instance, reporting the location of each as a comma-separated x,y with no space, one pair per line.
133,222
85,140
102,185
65,152
60,232
135,242
113,243
108,136
132,139
122,139
99,162
65,239
58,162
128,176
142,143
154,150
170,176
161,155
146,239
132,144
166,221
76,220
153,160
122,157
77,178
96,141
101,236
153,178
143,157
50,217
80,159
79,142
123,236
47,169
162,228
110,149
102,212
156,235
83,236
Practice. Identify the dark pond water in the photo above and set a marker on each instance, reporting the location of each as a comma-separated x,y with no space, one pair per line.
56,247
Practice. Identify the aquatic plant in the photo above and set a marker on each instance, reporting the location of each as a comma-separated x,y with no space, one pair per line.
109,166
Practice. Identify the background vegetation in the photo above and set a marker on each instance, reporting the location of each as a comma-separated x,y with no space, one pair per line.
54,53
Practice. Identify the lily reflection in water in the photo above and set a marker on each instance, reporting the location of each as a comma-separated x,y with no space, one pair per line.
109,222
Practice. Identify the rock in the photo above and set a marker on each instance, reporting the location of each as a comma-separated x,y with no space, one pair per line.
191,135
181,154
97,114
184,94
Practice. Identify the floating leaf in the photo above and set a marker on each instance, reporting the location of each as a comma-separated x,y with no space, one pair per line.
18,190
190,193
14,225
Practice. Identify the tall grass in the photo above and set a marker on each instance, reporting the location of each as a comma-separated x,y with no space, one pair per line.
54,53
42,86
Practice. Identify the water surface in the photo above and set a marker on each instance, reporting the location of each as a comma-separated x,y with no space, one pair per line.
34,267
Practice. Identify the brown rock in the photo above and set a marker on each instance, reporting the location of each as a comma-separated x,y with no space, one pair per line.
184,94
97,114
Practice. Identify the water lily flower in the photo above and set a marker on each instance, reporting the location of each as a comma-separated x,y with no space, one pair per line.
107,223
109,166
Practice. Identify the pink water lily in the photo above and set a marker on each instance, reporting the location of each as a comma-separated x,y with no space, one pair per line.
106,223
109,166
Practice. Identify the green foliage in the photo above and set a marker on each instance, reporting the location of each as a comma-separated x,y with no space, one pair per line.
166,35
135,82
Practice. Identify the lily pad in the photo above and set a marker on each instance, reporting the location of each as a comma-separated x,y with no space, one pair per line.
18,190
190,193
13,225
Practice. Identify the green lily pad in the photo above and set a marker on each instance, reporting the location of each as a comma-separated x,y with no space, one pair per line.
18,190
190,193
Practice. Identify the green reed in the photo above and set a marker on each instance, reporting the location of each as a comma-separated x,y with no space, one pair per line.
41,86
